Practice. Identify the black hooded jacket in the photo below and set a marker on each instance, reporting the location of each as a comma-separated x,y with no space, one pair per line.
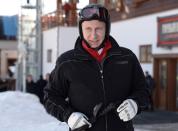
79,82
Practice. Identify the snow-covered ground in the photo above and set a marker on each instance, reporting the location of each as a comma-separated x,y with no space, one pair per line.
23,112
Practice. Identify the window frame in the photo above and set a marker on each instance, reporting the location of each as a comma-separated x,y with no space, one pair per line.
147,53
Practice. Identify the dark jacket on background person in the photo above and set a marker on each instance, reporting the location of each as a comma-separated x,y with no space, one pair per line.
31,87
86,82
150,83
40,84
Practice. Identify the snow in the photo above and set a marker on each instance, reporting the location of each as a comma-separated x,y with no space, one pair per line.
23,112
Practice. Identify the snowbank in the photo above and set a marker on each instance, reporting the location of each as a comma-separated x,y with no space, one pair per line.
23,112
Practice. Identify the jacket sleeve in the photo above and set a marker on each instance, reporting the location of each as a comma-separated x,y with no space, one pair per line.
139,91
55,99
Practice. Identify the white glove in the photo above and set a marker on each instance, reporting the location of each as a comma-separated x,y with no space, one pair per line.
127,110
77,120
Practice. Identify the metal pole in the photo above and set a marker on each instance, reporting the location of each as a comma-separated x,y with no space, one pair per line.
24,72
58,33
19,65
39,37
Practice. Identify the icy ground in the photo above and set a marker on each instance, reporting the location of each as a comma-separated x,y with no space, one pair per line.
23,112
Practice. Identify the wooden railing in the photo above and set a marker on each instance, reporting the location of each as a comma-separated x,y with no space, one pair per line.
59,18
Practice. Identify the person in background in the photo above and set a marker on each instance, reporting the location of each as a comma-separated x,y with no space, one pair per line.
40,84
31,85
150,84
99,85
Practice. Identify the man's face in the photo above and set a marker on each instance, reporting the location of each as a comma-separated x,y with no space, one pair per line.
94,32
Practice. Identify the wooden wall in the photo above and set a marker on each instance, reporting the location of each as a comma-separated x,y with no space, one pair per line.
144,8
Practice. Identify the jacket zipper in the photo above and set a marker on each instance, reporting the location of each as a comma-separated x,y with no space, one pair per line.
100,65
103,89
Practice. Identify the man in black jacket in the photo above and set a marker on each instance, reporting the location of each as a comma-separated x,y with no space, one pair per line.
97,86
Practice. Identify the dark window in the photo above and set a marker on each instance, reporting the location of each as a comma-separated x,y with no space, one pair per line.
49,55
163,74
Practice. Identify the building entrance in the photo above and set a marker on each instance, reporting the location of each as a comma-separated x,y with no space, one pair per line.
166,77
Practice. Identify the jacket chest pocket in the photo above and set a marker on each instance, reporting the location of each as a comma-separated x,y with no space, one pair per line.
117,67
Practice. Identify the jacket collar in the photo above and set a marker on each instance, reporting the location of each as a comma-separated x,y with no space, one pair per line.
83,54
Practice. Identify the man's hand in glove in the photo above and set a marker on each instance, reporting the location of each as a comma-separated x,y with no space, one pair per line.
127,110
78,120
